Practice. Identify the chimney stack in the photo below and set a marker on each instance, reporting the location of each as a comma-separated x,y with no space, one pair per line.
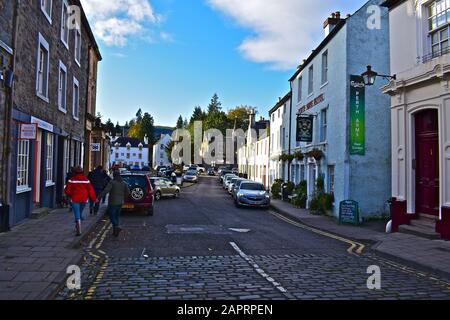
252,119
331,22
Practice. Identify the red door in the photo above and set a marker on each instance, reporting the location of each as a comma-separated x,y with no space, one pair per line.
427,162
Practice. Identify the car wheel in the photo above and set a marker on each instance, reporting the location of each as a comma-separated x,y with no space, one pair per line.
236,203
158,196
177,194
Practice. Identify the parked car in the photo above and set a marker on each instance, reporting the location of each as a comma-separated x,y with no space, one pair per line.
235,171
191,176
232,183
236,186
252,194
201,169
227,180
211,172
222,175
186,168
163,187
141,193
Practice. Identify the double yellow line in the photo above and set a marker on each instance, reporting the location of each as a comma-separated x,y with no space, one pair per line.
97,243
355,247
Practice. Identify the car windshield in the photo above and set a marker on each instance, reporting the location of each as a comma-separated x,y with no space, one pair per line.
233,180
133,181
252,187
191,173
229,178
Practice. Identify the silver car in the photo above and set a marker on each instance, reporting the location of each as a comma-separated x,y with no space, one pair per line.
232,183
191,176
227,180
163,187
252,194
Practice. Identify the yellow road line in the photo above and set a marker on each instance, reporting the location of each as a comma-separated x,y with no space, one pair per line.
353,244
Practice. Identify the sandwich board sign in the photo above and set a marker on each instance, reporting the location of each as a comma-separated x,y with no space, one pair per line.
349,212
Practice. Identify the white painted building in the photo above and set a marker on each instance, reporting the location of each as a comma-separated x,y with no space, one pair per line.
279,138
420,109
129,152
160,156
253,158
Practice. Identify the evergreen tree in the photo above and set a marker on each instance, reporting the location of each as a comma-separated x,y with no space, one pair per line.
197,115
215,105
180,123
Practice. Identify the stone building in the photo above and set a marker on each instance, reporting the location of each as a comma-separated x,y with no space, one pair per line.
51,80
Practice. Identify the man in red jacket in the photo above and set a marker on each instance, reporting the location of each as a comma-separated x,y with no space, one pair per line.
79,189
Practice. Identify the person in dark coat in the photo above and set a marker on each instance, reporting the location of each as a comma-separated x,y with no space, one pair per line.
70,174
118,191
98,181
107,180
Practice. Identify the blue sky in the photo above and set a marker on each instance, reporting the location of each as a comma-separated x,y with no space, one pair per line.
167,56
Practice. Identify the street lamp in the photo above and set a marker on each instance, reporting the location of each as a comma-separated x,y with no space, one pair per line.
370,76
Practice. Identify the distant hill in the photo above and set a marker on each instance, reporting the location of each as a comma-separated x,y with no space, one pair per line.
159,130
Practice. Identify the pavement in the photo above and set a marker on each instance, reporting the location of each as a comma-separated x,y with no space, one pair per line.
34,256
430,255
201,246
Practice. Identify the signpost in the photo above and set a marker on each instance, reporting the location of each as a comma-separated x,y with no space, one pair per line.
349,212
357,116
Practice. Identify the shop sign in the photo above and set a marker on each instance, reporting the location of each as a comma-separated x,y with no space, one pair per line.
357,116
28,131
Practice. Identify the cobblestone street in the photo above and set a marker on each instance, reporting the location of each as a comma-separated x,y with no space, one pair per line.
267,259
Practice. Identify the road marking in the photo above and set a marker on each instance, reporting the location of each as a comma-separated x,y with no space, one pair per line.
353,244
260,271
239,230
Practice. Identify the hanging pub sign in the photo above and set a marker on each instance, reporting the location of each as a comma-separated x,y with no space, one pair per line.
357,116
305,125
28,131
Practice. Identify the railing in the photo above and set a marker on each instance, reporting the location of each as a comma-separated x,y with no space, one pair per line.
435,54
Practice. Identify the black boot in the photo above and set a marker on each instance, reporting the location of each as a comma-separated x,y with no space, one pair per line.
78,228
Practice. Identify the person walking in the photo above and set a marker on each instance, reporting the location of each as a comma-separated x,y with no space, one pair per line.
107,180
98,181
79,190
118,190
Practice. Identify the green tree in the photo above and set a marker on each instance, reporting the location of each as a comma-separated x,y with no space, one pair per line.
118,129
239,114
139,115
109,126
180,123
197,115
215,105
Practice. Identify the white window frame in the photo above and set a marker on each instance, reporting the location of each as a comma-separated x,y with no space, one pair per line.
76,104
48,15
311,80
300,89
23,166
77,47
62,68
64,27
42,43
325,65
323,125
50,162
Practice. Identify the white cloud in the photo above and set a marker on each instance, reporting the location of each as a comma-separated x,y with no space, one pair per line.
284,30
116,21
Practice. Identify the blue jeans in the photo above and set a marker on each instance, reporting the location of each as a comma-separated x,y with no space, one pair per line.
114,214
78,209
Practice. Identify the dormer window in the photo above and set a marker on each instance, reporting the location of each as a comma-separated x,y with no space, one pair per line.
128,146
140,146
117,145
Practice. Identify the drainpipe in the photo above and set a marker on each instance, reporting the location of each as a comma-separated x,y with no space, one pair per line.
9,103
290,130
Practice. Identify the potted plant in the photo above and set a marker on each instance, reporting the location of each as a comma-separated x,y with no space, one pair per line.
299,156
316,154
